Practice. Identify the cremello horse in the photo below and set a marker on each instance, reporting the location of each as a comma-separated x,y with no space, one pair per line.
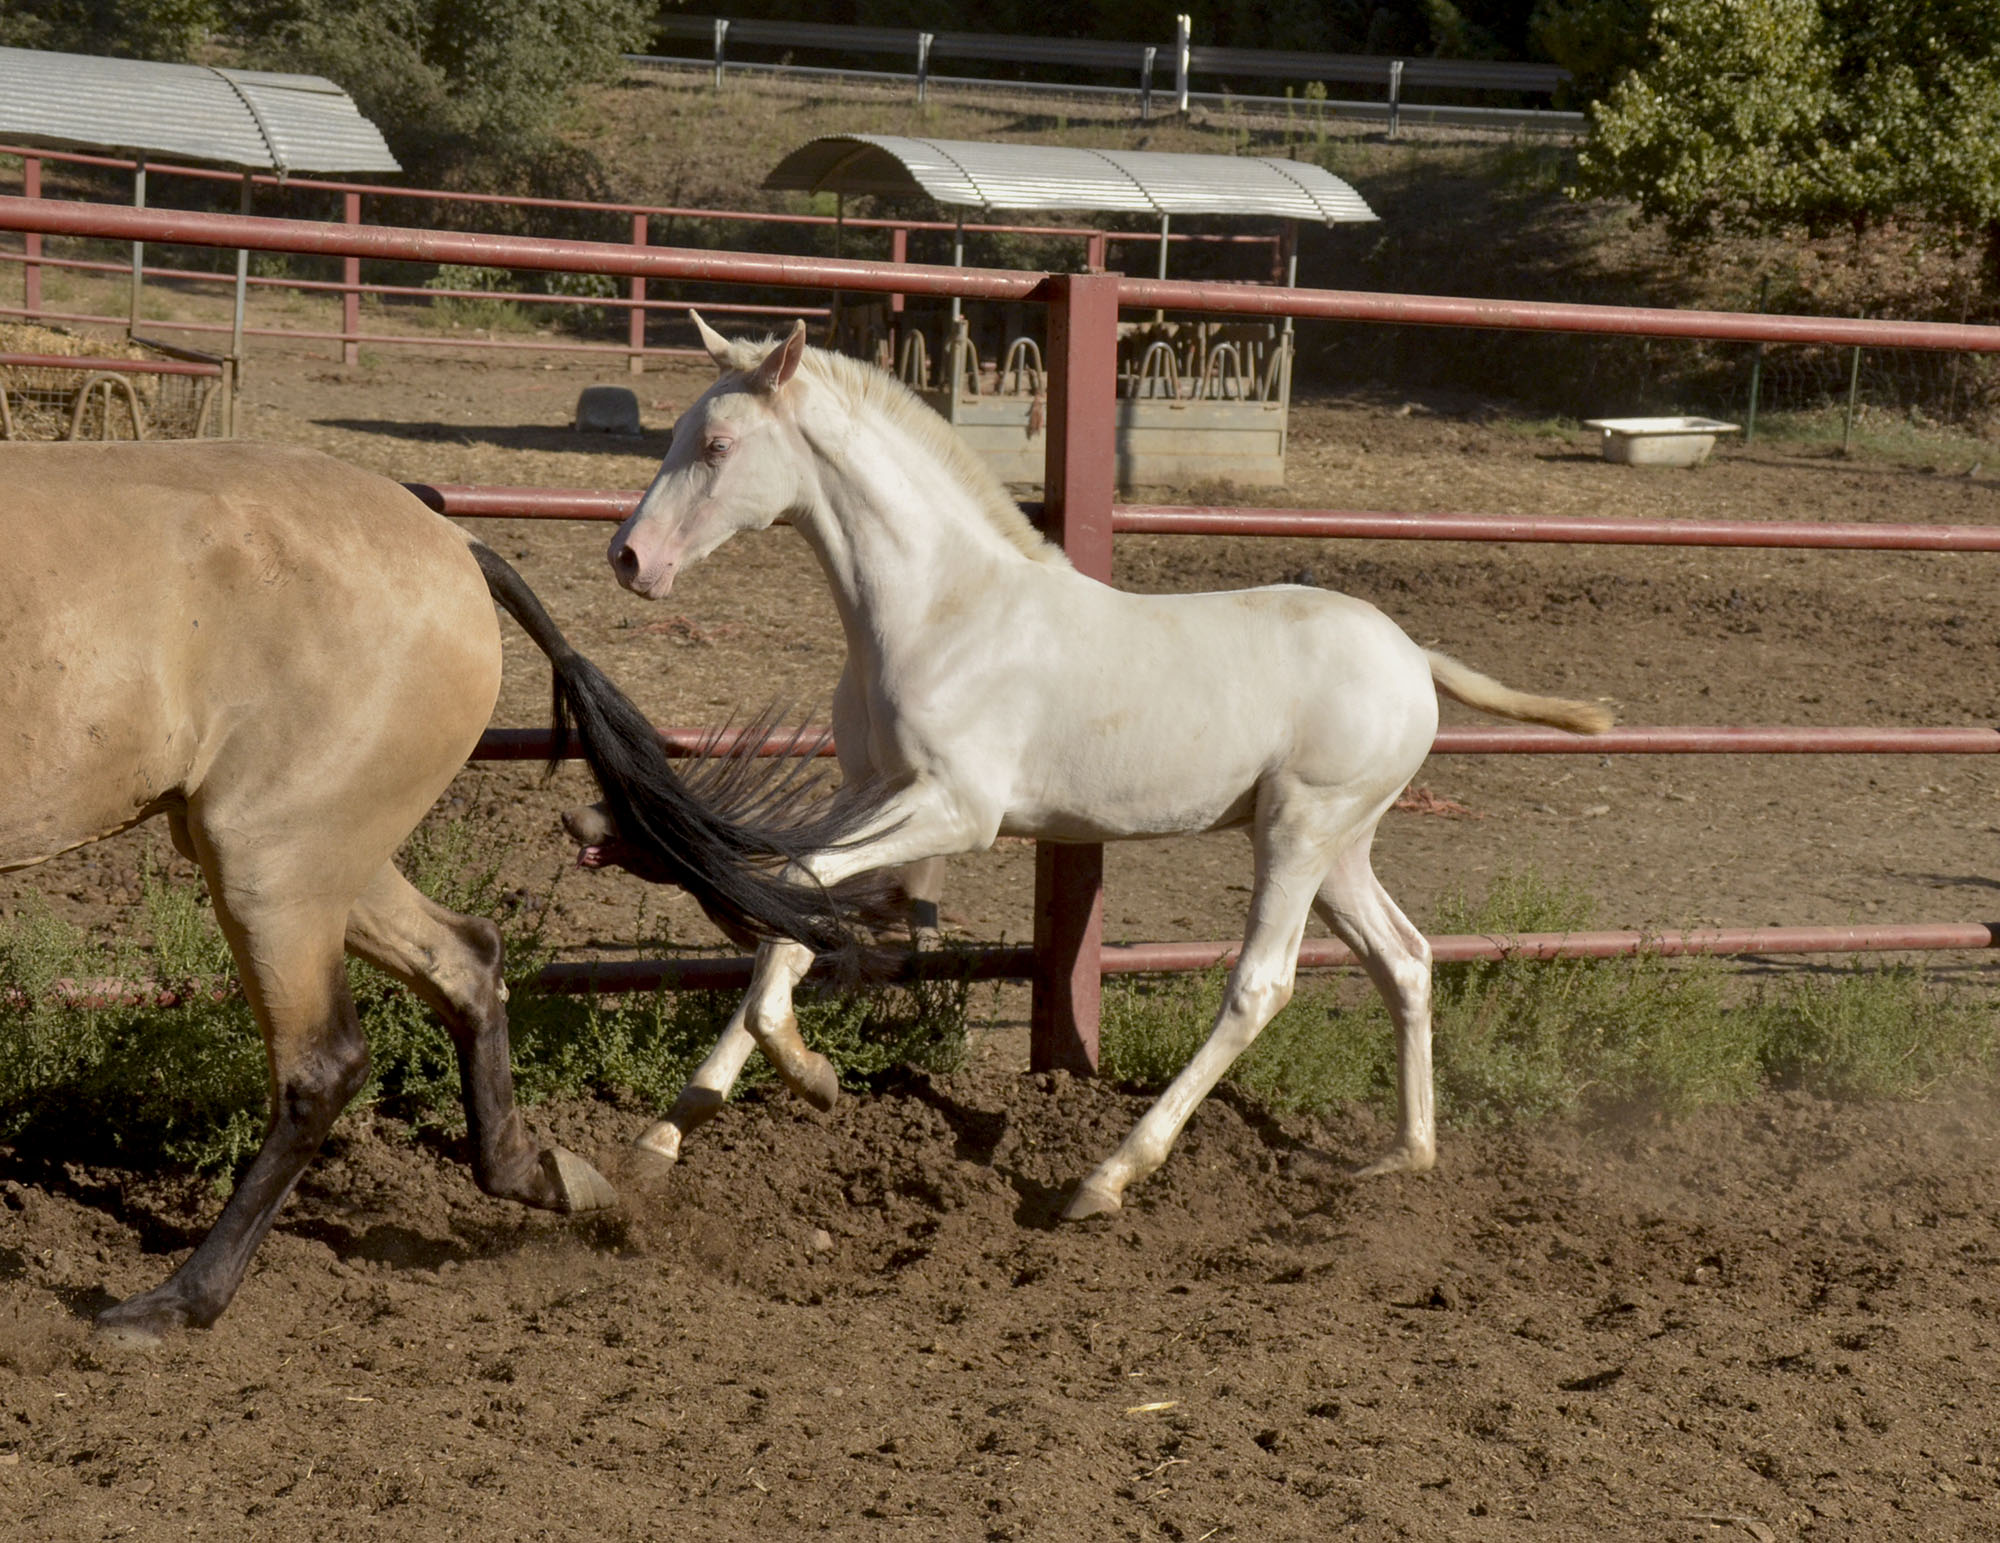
290,659
993,690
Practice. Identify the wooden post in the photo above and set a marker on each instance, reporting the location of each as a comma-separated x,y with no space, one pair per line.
635,334
31,271
1077,485
350,290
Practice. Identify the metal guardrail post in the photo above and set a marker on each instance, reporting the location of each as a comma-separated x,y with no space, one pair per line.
1183,32
1077,487
721,41
1395,93
635,331
31,271
1146,85
924,40
350,287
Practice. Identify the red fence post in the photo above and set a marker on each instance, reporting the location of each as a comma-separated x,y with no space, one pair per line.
635,334
31,271
350,291
1081,471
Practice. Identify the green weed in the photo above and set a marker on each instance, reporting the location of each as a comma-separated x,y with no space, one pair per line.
185,1086
1518,1041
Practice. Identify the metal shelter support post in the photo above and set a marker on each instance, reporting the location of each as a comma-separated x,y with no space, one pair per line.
1146,84
1756,366
924,40
1853,391
233,366
1395,94
1077,487
31,245
1183,33
350,287
899,252
138,247
721,42
635,328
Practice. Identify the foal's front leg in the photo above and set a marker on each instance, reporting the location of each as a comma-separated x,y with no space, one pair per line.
919,823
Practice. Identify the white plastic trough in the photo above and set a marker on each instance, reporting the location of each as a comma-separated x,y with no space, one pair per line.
1658,441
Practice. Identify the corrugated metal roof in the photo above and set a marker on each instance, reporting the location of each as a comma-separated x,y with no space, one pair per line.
245,118
994,176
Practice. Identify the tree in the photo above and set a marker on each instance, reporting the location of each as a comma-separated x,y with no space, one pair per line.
467,92
1770,115
168,30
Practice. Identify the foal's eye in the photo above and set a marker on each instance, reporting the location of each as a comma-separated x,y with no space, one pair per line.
716,449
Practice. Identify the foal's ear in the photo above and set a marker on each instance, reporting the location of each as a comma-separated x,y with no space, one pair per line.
717,345
782,362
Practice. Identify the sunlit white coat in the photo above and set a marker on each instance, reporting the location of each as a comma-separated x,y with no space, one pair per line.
1004,693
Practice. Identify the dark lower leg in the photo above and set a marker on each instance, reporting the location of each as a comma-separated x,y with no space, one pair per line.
306,1101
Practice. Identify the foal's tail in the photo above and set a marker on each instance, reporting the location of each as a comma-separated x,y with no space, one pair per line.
1464,684
725,850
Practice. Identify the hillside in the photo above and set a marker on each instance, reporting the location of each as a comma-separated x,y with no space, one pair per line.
1461,214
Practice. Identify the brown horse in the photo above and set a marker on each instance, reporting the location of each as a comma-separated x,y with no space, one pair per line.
290,659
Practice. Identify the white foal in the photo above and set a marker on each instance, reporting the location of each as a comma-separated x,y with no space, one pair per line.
1001,692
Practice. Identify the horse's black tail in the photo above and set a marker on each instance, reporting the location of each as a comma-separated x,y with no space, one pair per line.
723,839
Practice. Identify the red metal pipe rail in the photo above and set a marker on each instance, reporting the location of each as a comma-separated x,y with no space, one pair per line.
1018,962
476,501
109,366
1162,520
59,217
663,211
1068,960
1683,739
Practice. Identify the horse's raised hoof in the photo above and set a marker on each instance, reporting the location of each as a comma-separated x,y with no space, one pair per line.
581,1186
816,1081
1091,1200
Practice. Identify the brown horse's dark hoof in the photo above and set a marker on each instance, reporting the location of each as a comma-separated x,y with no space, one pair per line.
580,1186
143,1322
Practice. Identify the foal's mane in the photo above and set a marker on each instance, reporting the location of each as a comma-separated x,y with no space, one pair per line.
861,386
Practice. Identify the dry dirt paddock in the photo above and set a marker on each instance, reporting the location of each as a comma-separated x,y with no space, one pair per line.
1771,1323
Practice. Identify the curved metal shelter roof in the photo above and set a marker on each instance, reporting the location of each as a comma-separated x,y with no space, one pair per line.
242,118
997,176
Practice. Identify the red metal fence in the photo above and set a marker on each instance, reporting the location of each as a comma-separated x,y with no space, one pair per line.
635,303
1069,957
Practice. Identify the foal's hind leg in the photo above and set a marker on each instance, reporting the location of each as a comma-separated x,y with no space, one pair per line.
1397,958
296,982
1289,866
453,963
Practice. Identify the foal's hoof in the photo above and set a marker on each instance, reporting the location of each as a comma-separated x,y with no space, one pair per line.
581,1186
1091,1200
816,1082
1401,1160
661,1144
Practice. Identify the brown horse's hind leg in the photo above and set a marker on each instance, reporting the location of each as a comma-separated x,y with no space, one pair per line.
297,985
453,963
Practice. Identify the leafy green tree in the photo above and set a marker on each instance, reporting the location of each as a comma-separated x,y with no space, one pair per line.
467,92
1769,115
167,30
1597,41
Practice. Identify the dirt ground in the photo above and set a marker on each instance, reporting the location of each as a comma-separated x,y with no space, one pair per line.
1771,1323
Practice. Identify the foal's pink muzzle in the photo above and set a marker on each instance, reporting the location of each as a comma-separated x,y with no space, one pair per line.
641,566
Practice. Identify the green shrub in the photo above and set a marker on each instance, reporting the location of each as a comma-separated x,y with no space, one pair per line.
186,1086
1524,1040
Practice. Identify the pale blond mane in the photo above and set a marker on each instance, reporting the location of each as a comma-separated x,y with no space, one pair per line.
861,386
